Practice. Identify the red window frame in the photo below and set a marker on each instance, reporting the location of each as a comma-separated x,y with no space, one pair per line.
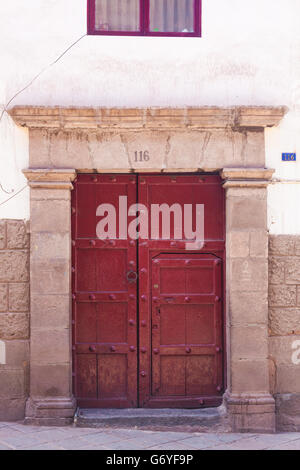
144,22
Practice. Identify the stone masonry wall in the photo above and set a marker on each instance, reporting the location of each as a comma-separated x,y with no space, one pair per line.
14,318
284,328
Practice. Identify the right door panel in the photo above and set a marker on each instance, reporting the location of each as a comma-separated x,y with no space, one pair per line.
186,329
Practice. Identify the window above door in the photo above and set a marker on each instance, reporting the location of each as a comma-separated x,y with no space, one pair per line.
144,17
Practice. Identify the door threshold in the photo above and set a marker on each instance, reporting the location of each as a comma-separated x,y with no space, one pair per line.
197,420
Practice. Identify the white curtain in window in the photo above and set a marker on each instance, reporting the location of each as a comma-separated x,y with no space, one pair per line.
172,15
117,15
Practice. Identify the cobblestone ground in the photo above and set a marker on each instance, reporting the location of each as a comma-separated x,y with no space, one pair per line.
15,436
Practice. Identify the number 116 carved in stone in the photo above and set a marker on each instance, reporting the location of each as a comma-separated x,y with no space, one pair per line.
141,156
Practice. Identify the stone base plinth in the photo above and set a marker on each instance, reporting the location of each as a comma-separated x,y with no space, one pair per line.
50,411
251,413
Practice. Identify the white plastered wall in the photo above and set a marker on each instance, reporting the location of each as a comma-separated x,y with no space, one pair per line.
249,55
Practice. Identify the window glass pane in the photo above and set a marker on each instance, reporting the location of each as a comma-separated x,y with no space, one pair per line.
169,16
117,15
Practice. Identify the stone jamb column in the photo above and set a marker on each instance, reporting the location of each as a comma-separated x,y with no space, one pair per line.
250,405
50,401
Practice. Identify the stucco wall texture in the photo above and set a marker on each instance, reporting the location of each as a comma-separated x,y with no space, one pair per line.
249,54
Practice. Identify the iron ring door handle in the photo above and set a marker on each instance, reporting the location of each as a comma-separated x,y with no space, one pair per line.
132,276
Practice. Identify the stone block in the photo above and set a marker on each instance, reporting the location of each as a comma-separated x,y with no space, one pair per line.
50,346
292,270
254,149
282,349
39,148
251,412
259,244
248,342
246,193
50,278
14,326
47,246
272,374
276,270
71,149
50,311
17,353
246,214
245,308
3,297
50,215
12,409
249,274
17,236
19,297
191,145
284,321
297,244
281,245
298,296
41,194
253,423
248,376
14,266
50,380
282,296
50,411
288,378
2,234
12,383
238,244
288,412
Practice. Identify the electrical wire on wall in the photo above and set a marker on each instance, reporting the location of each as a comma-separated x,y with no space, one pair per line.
5,109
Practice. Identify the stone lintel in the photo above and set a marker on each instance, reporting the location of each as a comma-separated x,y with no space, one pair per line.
50,178
243,117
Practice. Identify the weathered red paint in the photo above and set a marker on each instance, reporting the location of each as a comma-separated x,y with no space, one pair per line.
170,351
104,302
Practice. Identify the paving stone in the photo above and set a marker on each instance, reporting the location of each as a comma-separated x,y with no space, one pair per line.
22,442
73,443
294,445
3,447
18,436
125,445
90,447
221,447
252,443
9,432
197,442
232,437
51,436
105,439
3,425
172,446
49,446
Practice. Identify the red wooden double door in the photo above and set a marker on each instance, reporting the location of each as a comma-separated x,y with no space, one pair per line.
147,312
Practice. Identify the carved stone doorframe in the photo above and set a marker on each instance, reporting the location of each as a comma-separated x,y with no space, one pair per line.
55,134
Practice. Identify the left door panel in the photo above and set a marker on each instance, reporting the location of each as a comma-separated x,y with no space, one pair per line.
104,294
